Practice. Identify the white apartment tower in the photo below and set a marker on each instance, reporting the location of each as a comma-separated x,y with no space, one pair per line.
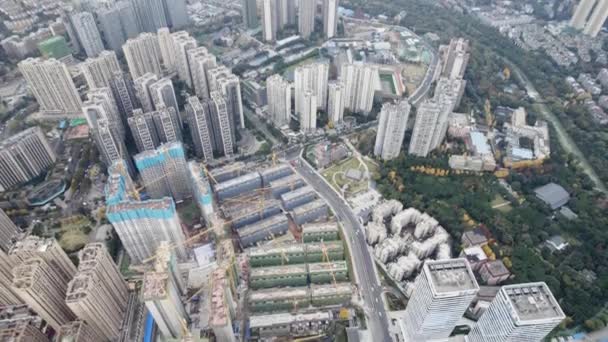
162,299
427,116
88,34
143,55
330,18
270,21
278,92
51,83
167,50
306,18
222,130
336,97
164,171
167,125
142,91
142,226
101,104
308,116
182,43
312,77
579,19
43,289
8,232
360,83
99,71
521,312
124,93
391,129
8,296
590,16
24,156
201,61
162,93
442,293
199,122
112,148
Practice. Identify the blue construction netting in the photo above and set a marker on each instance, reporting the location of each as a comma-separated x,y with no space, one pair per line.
149,328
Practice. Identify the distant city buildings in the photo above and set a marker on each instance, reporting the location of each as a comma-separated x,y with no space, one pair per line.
443,291
100,71
23,157
201,61
249,9
182,43
306,17
279,100
117,23
391,129
167,50
51,83
270,20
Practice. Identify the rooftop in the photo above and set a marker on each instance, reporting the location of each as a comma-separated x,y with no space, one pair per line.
309,207
325,266
275,169
263,225
338,289
155,286
305,190
288,180
80,286
253,176
322,227
552,194
273,249
287,318
19,136
329,245
480,142
496,268
279,293
452,275
532,302
278,271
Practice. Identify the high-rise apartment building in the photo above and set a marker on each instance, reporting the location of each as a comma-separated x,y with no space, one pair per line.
306,18
51,83
521,312
19,324
117,23
427,116
101,105
143,130
8,232
182,43
167,125
590,16
7,295
142,91
78,331
141,226
442,293
270,20
250,13
360,83
47,249
391,129
111,146
164,171
201,190
199,122
150,14
292,13
201,61
336,97
98,294
223,136
278,91
161,296
99,71
24,156
308,116
177,13
163,95
230,86
313,77
143,55
124,93
456,57
167,50
43,288
330,18
87,31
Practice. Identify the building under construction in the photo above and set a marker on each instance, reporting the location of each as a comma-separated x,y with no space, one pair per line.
322,231
310,212
298,197
238,186
331,294
279,299
315,253
328,272
276,276
19,324
220,313
275,172
263,230
300,253
251,210
292,325
286,184
162,299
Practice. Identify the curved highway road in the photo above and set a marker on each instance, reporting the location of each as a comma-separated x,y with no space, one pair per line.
369,286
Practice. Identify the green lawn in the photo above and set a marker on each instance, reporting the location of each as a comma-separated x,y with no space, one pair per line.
336,176
501,204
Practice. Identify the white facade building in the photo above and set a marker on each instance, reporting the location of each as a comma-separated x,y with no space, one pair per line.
306,18
314,77
278,92
360,83
201,61
270,20
143,55
308,116
99,71
391,129
330,18
182,43
336,98
87,31
167,50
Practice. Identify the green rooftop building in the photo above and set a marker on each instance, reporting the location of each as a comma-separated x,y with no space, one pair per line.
54,47
275,276
321,273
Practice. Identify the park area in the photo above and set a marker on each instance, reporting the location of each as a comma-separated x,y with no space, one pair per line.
349,176
74,233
